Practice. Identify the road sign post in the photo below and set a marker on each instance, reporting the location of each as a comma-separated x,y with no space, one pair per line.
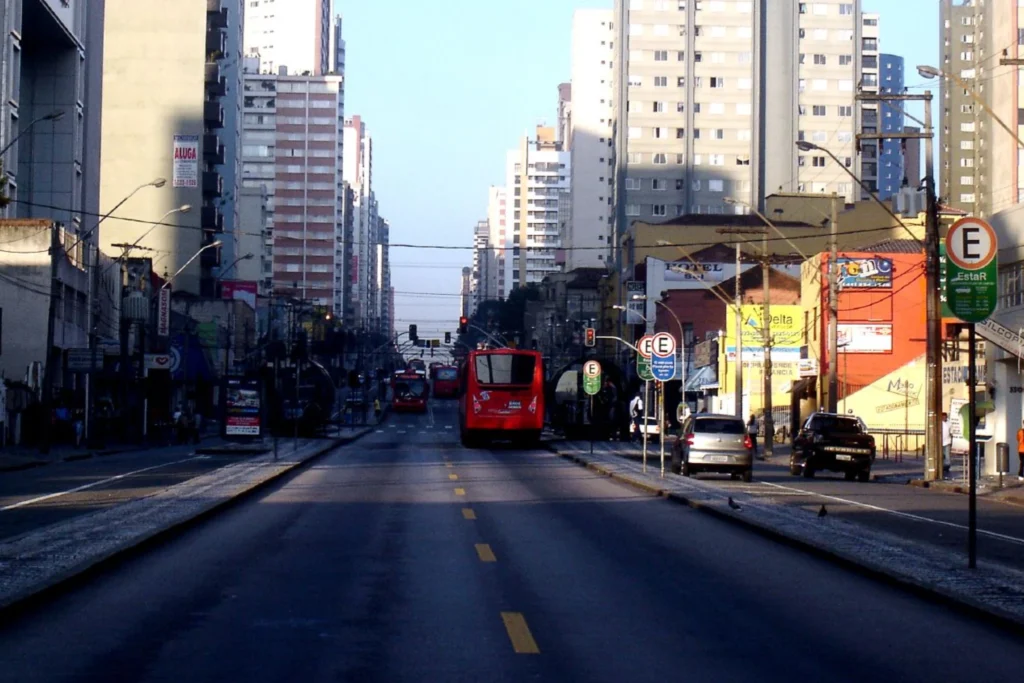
591,386
663,367
971,289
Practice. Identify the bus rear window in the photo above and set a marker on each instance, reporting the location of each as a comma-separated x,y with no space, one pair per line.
447,374
505,368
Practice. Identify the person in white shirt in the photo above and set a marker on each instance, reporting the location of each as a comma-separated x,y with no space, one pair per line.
947,443
636,412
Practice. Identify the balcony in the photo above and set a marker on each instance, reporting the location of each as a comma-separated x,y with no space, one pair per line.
216,43
216,18
210,258
212,219
213,114
217,88
212,72
213,150
213,184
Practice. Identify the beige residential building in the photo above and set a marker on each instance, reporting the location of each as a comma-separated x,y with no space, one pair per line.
980,170
588,234
497,220
167,130
705,110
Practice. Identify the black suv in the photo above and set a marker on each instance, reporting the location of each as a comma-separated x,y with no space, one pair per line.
839,443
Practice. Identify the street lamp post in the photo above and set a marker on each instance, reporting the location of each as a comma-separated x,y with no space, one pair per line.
94,286
933,330
933,72
52,116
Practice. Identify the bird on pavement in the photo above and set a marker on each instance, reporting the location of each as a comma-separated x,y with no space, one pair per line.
822,512
733,504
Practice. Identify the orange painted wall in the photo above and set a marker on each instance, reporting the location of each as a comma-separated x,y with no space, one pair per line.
902,306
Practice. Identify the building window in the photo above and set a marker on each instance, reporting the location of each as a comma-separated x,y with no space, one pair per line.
845,110
661,55
660,81
717,82
659,184
818,110
632,209
659,159
658,210
1011,286
820,60
845,60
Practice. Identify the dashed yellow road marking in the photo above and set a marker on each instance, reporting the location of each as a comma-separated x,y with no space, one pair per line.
448,464
453,477
519,633
485,553
460,492
468,513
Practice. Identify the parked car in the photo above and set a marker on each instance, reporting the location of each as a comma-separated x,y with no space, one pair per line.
650,427
709,442
838,443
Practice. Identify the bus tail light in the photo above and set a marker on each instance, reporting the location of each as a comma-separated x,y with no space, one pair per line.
533,406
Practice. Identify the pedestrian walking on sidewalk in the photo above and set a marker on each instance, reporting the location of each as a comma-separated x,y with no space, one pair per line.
376,409
636,412
947,443
1020,453
752,433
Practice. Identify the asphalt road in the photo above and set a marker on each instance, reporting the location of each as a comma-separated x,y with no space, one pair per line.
404,557
34,498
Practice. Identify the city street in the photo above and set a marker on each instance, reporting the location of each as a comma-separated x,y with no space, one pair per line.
407,558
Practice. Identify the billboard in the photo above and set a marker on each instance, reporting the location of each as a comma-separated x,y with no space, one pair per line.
787,333
185,169
241,407
241,290
635,308
863,338
865,273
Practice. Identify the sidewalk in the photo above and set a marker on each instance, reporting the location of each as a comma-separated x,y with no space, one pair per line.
904,534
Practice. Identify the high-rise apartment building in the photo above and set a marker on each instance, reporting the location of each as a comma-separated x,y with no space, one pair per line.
481,265
981,170
891,166
564,113
871,113
358,171
591,146
497,222
173,131
382,282
537,177
706,106
292,146
294,34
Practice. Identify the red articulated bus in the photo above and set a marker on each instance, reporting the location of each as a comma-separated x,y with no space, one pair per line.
409,392
501,396
446,381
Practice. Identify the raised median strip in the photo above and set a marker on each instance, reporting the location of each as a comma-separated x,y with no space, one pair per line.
992,591
39,561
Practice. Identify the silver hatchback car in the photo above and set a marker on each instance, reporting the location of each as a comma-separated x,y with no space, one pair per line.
713,443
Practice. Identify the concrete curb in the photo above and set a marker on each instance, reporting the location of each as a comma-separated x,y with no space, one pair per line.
22,600
963,603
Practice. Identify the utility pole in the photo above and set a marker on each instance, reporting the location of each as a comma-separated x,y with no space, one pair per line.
766,326
833,310
739,337
933,342
56,252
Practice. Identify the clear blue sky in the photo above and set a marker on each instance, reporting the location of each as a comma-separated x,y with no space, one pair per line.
446,87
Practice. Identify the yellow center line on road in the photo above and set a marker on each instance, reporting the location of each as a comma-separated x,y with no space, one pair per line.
485,553
448,464
453,477
519,633
468,513
460,492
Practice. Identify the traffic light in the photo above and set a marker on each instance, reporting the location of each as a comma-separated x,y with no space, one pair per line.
463,324
590,337
447,337
412,333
